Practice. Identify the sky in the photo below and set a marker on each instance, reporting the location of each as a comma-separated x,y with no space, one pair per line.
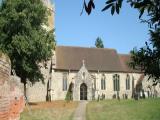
122,32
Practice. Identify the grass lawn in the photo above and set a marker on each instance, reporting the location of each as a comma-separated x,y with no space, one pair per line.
57,110
148,109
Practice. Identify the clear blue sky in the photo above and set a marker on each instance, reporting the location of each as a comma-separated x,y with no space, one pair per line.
121,32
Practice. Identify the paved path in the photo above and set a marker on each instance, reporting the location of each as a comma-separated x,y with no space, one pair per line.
80,113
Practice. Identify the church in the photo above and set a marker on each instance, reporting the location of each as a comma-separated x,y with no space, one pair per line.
81,73
87,74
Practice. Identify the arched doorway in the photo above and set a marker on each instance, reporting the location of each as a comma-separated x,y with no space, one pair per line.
83,91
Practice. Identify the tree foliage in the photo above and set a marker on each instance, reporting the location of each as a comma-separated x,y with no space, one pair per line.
23,37
99,43
147,58
88,7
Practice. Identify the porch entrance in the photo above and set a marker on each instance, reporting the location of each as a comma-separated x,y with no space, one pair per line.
83,91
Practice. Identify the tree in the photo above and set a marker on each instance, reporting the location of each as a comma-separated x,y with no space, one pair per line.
99,43
24,39
147,58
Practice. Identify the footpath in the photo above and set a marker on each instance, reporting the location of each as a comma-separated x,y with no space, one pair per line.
80,113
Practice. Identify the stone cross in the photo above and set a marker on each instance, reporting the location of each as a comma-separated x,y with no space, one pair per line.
83,62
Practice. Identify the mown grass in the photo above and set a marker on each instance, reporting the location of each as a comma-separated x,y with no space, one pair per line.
147,109
60,112
48,114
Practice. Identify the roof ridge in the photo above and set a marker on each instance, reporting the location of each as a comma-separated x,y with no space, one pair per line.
123,54
87,47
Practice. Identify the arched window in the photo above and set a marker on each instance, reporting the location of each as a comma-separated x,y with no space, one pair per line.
95,83
103,82
116,82
132,82
128,82
65,77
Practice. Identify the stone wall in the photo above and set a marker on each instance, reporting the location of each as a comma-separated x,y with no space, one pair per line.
11,96
149,89
37,92
51,17
59,94
5,69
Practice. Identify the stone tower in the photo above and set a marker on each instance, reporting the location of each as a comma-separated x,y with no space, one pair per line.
51,8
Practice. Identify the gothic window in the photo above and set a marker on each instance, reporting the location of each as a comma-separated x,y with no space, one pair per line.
132,82
128,82
95,83
116,82
65,77
103,82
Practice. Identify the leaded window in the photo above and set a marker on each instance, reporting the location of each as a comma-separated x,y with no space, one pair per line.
65,77
132,82
103,82
116,82
95,83
128,82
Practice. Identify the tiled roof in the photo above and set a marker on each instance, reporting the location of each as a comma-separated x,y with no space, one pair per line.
102,59
124,59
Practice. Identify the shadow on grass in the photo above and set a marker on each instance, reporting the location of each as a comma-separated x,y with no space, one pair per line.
32,103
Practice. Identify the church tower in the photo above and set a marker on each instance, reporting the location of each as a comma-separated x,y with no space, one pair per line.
51,19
